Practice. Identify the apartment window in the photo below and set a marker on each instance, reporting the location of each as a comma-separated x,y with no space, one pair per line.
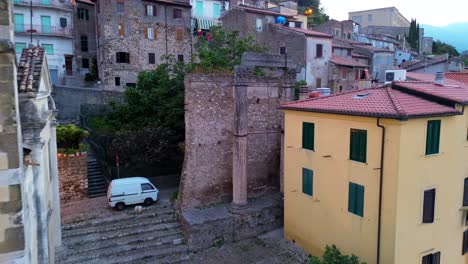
369,18
83,14
199,8
428,206
318,82
259,25
216,10
121,29
465,192
117,81
308,135
283,50
180,58
358,145
19,46
433,258
344,74
319,50
84,43
348,52
433,137
120,6
356,199
177,13
151,58
49,48
122,57
85,63
465,242
180,34
19,23
149,33
307,181
357,19
151,10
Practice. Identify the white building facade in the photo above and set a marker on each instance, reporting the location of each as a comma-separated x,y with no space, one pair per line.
51,27
206,13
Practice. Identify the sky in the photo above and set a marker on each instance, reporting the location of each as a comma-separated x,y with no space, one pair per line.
431,12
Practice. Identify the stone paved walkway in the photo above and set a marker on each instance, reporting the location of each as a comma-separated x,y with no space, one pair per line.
93,233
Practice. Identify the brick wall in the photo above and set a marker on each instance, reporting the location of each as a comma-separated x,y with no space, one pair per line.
73,176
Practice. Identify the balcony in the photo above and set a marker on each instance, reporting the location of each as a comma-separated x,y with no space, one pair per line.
44,30
58,4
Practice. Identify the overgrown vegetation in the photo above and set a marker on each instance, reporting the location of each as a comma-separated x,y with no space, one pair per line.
223,51
439,47
70,139
333,255
93,75
297,88
318,17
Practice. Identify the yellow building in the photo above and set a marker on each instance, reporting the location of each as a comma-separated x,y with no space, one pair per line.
388,16
381,173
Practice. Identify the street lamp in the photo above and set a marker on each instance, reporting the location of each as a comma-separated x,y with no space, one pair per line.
309,12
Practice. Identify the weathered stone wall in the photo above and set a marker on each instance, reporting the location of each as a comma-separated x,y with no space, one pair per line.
209,119
339,29
73,176
134,40
82,27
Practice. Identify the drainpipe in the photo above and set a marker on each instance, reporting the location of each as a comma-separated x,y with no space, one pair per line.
305,59
382,152
165,24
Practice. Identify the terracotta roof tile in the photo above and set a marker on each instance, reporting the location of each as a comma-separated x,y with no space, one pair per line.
357,55
457,76
29,69
346,62
383,102
263,11
455,92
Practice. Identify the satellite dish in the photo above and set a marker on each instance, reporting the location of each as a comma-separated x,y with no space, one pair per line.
281,20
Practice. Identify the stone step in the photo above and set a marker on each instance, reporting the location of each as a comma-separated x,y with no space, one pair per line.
170,259
130,253
97,187
93,229
95,195
97,182
95,173
142,240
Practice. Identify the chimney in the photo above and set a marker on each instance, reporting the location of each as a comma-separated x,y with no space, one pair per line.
439,78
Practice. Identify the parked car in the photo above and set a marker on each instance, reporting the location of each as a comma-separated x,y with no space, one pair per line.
134,190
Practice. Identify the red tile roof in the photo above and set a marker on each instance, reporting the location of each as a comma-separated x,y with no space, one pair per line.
263,11
357,55
429,77
376,102
455,93
86,2
457,76
306,32
346,62
29,69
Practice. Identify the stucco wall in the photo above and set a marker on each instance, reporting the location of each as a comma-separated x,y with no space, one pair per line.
73,175
209,117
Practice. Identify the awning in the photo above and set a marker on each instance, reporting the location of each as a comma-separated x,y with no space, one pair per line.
203,23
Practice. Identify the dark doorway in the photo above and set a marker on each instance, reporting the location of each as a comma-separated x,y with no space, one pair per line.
69,64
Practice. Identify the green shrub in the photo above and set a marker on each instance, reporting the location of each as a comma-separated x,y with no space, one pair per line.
70,138
333,255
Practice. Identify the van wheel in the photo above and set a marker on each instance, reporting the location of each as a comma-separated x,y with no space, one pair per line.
148,202
120,206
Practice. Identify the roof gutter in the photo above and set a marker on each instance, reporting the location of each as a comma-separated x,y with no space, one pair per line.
382,153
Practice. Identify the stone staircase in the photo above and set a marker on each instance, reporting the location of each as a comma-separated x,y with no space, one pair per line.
154,236
97,184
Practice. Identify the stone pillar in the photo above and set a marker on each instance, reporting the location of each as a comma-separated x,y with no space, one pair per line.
55,182
288,95
239,153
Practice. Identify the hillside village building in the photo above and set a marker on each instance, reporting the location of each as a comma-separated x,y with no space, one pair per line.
388,16
84,31
51,27
381,173
133,36
206,13
29,201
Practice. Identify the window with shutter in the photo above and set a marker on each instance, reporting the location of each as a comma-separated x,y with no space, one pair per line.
180,34
358,145
433,258
307,181
465,193
432,137
428,206
308,135
356,199
150,33
121,29
319,48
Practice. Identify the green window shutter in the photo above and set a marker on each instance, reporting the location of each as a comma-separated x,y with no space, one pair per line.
351,197
358,145
307,181
359,206
308,135
433,137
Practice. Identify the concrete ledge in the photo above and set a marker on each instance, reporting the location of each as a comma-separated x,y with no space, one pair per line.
10,177
214,226
12,258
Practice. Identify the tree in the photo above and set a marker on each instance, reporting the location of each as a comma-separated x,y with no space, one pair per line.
223,50
70,138
319,16
439,47
333,255
413,35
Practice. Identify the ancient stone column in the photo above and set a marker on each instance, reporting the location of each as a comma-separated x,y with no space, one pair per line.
239,153
55,182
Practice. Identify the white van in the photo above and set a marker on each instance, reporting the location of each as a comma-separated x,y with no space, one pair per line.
134,190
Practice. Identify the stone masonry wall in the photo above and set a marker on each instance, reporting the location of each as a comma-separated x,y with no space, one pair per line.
73,176
207,173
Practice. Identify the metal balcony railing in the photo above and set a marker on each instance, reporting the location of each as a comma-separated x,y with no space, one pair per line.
44,30
62,4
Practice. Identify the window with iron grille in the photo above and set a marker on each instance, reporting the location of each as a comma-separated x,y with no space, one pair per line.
83,13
